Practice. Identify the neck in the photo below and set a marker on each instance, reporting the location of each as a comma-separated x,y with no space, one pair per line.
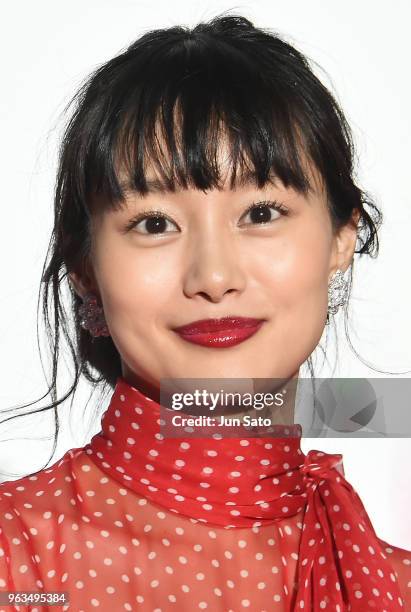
280,410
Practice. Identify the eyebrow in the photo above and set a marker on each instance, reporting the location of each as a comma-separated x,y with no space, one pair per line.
156,186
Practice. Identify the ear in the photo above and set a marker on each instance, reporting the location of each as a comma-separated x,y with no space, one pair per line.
344,243
83,281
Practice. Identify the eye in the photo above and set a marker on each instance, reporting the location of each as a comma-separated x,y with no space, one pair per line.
261,212
150,223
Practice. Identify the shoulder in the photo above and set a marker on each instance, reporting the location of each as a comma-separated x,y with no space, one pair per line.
47,483
32,505
400,559
40,491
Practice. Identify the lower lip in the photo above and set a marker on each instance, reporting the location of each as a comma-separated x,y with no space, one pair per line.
223,338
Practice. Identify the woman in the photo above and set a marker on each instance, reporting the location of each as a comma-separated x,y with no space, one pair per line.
204,174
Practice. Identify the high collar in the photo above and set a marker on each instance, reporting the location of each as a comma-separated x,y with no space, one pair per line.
234,482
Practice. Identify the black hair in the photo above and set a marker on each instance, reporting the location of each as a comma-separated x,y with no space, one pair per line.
193,86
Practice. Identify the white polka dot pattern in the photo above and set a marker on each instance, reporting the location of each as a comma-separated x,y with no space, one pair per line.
134,521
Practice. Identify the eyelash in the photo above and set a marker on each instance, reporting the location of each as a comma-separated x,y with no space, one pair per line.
272,204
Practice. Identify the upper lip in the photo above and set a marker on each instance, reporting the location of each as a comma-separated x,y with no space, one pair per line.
214,325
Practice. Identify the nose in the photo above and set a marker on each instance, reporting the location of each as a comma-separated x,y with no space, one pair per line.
214,268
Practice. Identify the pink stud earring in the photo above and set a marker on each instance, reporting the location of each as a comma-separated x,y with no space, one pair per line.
92,316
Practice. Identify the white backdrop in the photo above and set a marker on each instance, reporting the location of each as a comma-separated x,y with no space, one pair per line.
48,48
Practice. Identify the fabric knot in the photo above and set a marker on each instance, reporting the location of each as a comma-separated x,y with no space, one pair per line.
320,466
339,545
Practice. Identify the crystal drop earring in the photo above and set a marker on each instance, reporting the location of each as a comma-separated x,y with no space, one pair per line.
337,293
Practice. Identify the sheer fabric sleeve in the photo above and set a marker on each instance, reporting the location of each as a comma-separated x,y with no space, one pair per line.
6,578
16,565
401,562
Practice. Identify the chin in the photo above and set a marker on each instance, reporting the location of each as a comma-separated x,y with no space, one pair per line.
234,371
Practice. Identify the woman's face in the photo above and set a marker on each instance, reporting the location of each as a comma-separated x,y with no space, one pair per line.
211,260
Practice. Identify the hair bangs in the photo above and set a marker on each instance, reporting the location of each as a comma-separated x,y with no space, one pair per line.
188,110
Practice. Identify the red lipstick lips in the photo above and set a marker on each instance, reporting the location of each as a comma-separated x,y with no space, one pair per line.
219,333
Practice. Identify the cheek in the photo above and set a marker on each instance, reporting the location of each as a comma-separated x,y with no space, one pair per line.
294,268
131,282
294,274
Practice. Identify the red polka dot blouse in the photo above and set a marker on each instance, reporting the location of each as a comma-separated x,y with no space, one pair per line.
139,521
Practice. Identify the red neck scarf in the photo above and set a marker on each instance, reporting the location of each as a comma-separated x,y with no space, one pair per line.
249,482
